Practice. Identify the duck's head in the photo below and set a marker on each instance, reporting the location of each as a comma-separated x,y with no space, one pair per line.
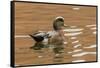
58,23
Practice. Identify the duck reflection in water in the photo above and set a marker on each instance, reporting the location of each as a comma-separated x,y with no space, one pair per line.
53,38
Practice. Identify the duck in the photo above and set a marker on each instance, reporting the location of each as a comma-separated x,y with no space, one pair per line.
58,25
54,37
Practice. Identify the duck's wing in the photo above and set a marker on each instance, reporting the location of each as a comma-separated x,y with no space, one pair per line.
38,36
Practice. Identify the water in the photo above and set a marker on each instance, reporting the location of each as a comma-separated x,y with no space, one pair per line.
80,47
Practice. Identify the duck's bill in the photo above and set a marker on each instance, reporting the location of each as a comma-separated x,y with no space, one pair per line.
66,25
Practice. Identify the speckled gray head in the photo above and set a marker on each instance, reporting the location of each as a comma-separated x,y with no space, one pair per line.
58,23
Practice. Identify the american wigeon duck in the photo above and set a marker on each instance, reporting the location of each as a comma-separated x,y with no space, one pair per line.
55,37
58,25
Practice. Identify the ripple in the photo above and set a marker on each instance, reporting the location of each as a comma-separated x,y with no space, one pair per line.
77,45
94,32
75,41
22,36
73,34
73,38
72,30
82,54
79,61
94,28
91,46
90,25
77,50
